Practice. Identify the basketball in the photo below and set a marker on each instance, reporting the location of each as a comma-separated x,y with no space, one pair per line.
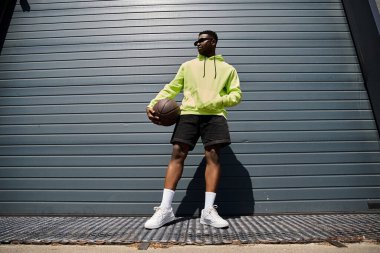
168,111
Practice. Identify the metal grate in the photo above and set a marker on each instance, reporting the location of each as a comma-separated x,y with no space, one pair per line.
244,229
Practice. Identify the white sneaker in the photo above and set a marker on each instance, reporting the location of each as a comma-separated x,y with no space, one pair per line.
211,217
160,218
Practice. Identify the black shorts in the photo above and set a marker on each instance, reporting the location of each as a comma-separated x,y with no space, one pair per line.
213,129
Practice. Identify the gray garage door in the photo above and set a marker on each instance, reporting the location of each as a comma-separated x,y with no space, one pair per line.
75,77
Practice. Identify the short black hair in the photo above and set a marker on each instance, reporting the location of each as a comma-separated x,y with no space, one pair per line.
211,33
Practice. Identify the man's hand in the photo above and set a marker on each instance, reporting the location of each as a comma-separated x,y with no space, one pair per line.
152,116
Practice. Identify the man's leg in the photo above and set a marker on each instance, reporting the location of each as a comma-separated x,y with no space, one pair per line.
209,214
175,167
215,134
212,174
174,173
164,213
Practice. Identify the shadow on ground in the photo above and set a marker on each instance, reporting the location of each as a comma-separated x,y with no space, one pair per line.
234,197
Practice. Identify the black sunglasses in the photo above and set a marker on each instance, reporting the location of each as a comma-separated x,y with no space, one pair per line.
201,40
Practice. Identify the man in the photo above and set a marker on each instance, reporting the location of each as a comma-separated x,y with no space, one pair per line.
209,85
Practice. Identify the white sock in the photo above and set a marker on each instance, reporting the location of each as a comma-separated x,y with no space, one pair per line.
209,199
167,198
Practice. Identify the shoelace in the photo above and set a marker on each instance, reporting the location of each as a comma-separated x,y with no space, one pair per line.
214,207
158,211
210,210
214,213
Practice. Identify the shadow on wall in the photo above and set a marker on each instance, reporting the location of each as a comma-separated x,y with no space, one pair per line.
234,197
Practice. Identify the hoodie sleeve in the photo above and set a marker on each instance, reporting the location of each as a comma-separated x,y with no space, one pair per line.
233,96
171,89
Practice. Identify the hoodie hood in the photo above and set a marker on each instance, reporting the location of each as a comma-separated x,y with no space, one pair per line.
214,58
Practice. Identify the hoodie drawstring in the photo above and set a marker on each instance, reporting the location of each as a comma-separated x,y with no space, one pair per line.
204,68
214,68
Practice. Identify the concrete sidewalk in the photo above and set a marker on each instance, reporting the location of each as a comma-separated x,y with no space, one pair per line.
257,248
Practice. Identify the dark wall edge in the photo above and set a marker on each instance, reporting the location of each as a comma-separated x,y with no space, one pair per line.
367,43
375,13
6,11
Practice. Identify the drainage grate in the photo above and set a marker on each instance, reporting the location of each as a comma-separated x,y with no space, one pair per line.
244,229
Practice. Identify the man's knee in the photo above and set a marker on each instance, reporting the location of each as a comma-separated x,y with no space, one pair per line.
212,153
180,151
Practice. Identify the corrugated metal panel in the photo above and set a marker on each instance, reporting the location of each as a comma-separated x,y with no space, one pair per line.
75,78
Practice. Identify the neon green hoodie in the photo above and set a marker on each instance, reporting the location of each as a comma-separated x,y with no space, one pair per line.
209,85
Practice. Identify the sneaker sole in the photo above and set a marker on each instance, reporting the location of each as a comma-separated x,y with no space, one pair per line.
166,222
205,223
